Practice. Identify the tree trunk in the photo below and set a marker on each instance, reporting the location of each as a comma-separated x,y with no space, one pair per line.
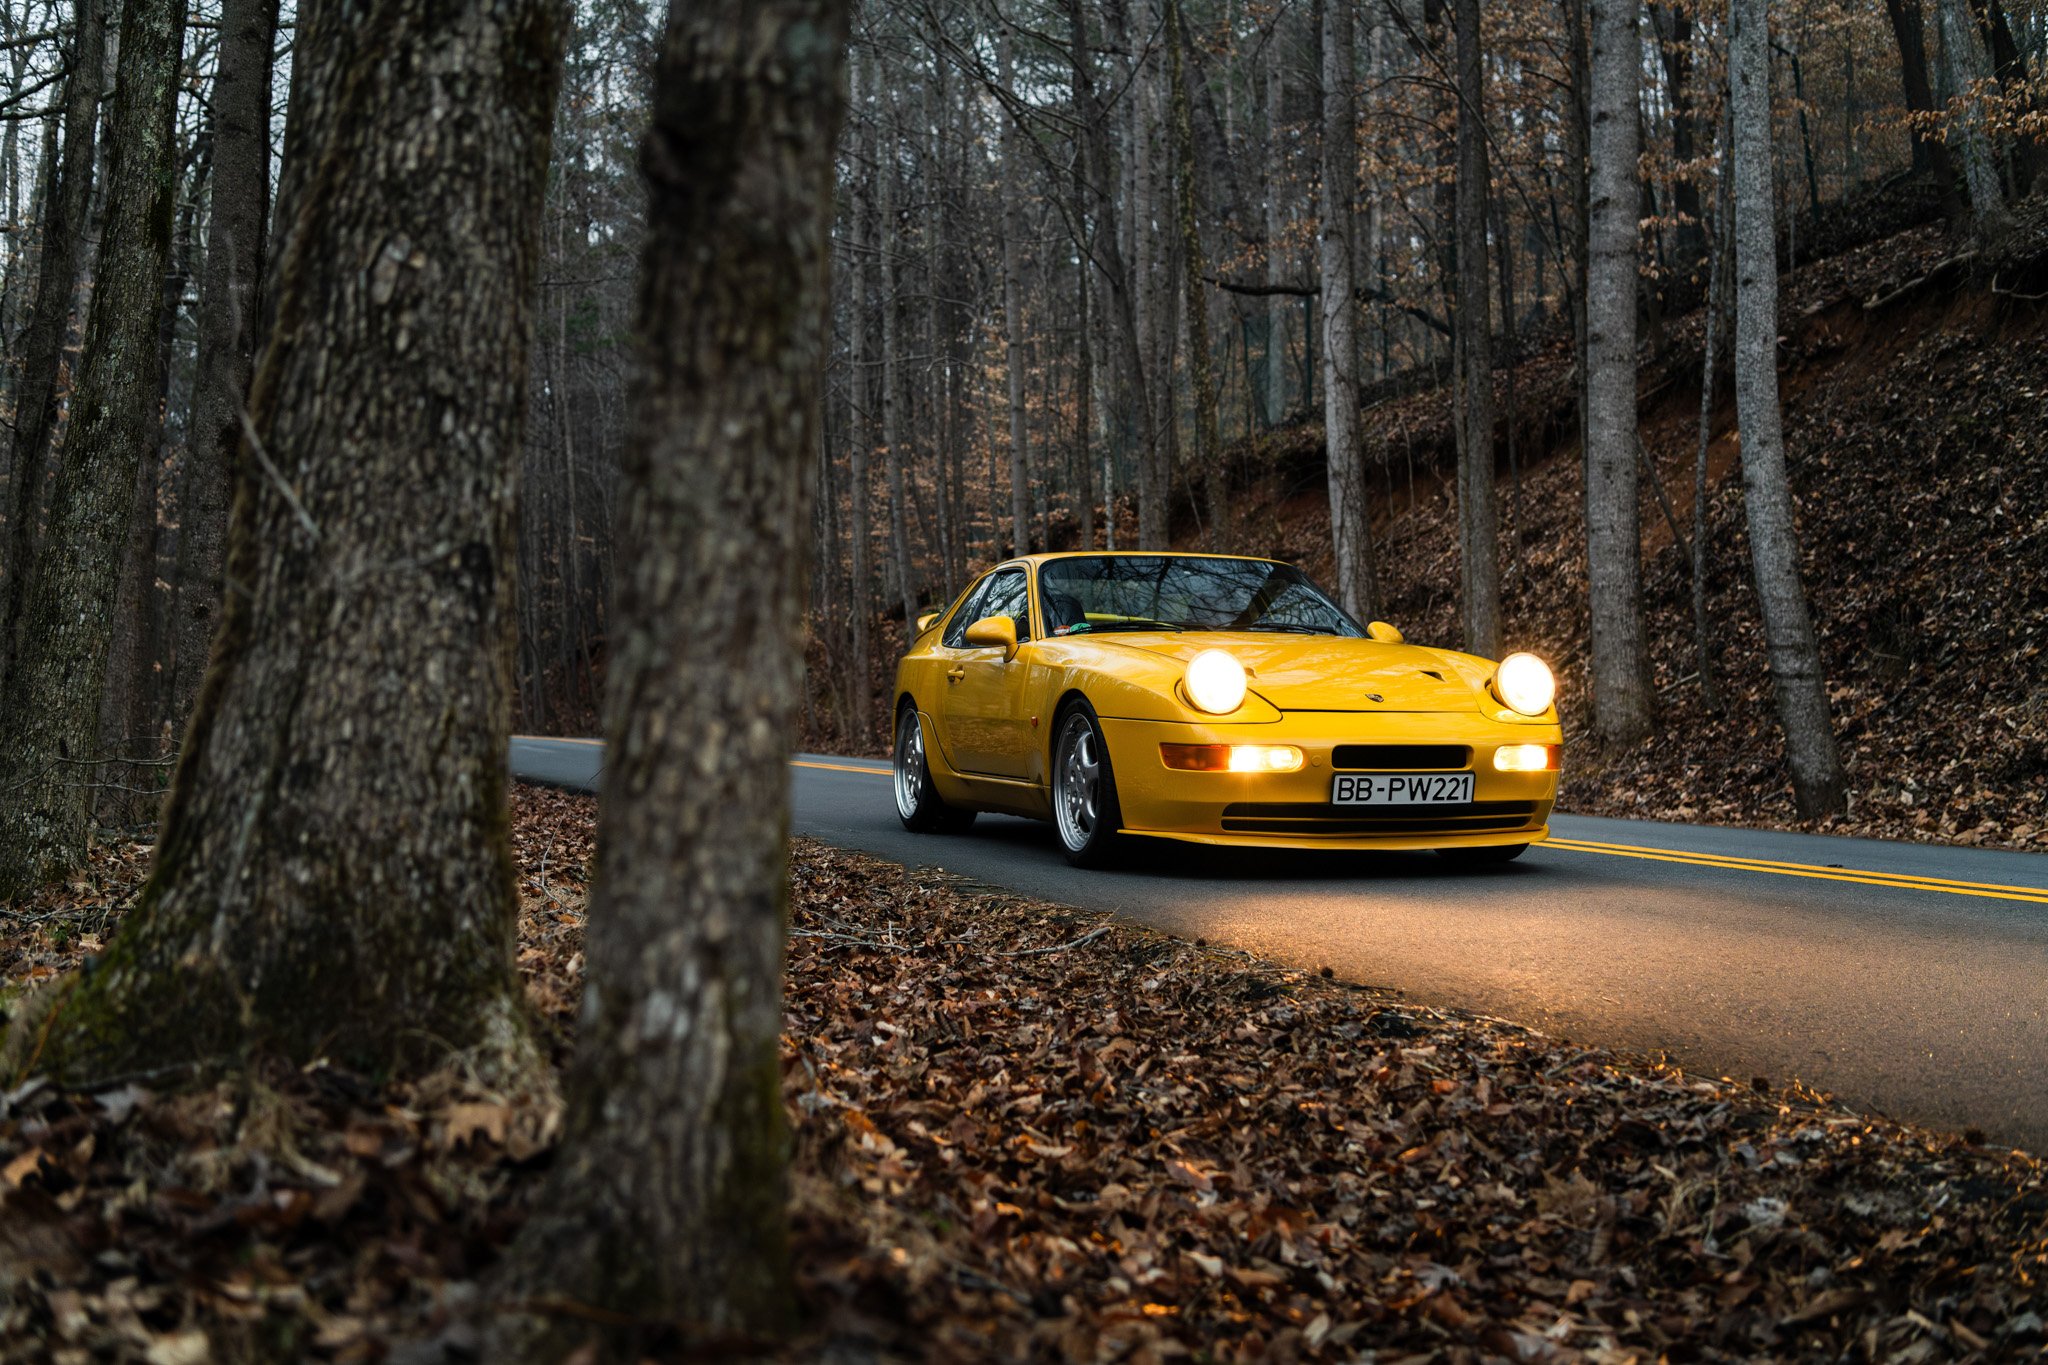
1675,44
1930,153
1818,783
42,345
889,240
1621,683
49,723
860,430
668,1200
1273,361
1962,52
2029,155
1350,521
1208,438
333,876
1718,250
230,301
1013,301
1478,511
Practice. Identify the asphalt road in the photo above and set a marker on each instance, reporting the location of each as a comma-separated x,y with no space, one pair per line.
1908,979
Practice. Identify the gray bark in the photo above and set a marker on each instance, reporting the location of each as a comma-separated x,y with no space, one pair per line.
860,429
1201,374
668,1200
230,300
1818,783
1350,520
1478,510
1620,651
42,345
889,243
50,705
333,876
1962,52
1013,299
1273,363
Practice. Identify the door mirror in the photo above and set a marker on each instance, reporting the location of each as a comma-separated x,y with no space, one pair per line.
924,622
995,631
1384,633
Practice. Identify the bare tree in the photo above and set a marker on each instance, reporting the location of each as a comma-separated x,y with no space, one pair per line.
50,704
1620,650
230,301
1818,783
1350,521
41,348
1013,295
1478,511
333,876
668,1199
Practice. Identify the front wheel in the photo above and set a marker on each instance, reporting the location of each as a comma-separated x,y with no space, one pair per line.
1487,855
1084,804
918,803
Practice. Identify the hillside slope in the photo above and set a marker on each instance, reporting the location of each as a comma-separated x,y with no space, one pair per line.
1916,407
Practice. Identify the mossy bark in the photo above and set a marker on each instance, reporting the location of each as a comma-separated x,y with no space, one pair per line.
50,704
334,875
667,1205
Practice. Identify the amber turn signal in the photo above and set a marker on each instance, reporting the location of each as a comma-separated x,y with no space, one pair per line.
1526,758
1231,758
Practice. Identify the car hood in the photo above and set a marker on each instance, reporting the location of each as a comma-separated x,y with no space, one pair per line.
1329,673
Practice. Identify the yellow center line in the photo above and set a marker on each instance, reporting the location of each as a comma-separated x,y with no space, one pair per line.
1898,880
838,767
558,739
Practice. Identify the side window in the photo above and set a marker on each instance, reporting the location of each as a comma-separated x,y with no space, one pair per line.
1007,596
969,612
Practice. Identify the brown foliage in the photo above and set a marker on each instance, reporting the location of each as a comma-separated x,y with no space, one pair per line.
1027,1133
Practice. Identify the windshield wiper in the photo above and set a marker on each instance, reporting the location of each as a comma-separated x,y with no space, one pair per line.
1131,623
1297,628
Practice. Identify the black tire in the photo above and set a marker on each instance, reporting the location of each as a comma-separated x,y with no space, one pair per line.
918,803
1487,855
1085,813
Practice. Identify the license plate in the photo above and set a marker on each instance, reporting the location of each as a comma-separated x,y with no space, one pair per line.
1401,789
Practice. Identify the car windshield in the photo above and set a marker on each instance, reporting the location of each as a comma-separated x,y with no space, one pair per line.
1099,593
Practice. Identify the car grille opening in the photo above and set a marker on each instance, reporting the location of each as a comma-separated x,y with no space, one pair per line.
1312,818
1401,757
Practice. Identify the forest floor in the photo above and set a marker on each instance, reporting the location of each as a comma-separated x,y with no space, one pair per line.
1915,389
1022,1132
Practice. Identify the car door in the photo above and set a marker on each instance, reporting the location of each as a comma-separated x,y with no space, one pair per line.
983,705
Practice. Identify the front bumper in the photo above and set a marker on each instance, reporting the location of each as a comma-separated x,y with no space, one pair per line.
1293,810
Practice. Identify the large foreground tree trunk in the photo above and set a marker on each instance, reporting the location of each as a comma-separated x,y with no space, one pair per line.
667,1203
1621,683
1350,520
1478,508
41,346
334,876
1818,782
230,294
50,705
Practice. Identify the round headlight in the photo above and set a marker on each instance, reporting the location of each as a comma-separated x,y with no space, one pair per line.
1525,683
1215,682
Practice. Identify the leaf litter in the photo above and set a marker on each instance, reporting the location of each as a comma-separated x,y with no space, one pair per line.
1021,1132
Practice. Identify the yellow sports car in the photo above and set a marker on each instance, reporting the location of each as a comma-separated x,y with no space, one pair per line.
1217,700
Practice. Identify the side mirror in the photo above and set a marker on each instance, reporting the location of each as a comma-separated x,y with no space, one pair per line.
924,622
995,631
1384,633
